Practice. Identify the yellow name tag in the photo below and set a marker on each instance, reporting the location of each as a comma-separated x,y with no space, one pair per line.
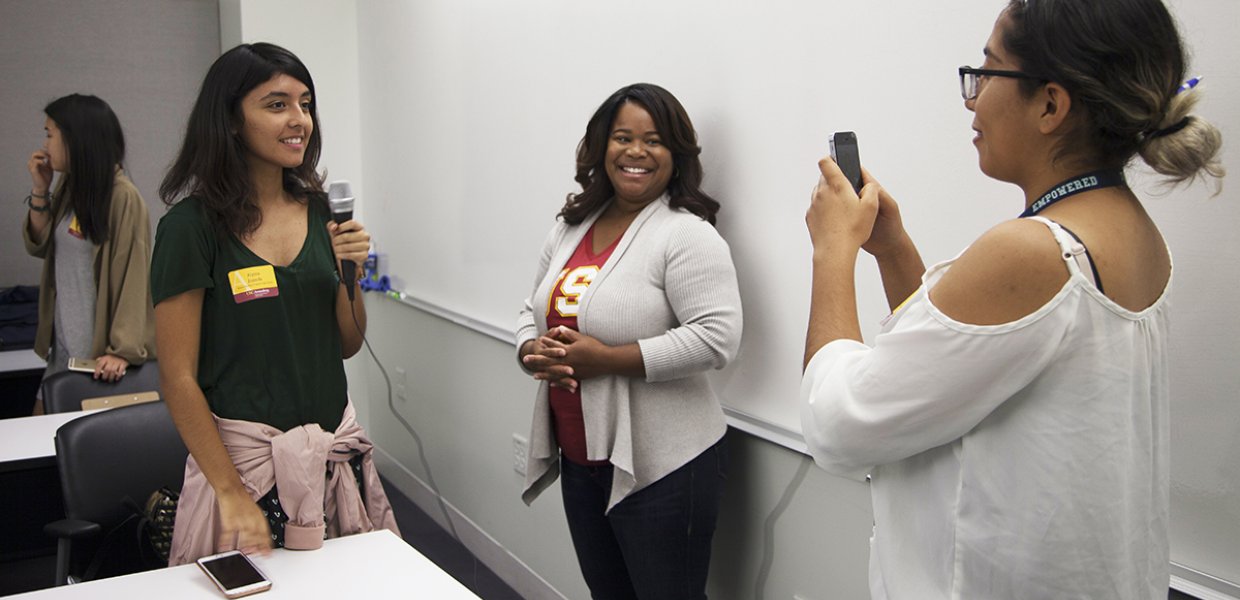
252,283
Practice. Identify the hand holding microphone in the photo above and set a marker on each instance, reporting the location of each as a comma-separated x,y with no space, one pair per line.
350,242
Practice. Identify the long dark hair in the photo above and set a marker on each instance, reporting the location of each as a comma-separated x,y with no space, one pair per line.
95,146
675,131
1123,63
212,162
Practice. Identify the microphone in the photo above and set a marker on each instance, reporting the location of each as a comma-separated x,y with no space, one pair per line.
340,198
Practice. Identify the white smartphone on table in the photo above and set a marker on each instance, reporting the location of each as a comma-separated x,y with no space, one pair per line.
234,574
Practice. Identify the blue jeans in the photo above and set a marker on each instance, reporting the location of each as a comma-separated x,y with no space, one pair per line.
654,544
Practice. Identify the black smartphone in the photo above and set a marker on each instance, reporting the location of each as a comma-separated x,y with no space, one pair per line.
234,574
844,152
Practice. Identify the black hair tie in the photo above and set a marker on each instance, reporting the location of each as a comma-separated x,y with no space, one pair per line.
1169,130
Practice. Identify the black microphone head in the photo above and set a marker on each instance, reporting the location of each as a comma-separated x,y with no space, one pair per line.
340,197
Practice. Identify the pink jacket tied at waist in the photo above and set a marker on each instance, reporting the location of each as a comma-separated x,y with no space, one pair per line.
294,462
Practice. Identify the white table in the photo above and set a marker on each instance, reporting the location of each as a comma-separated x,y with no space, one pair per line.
29,442
20,360
368,565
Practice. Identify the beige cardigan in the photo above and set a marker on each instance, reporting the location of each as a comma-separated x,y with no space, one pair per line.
293,461
124,317
671,287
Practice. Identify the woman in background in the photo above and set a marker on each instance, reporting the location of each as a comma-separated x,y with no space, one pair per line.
254,322
1013,413
635,299
94,236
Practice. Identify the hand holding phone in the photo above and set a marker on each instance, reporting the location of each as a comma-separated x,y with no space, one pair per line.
844,153
234,574
836,218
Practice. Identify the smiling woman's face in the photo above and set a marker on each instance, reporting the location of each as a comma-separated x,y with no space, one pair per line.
278,122
637,163
1004,119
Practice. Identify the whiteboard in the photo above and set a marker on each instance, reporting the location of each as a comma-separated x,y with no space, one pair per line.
472,110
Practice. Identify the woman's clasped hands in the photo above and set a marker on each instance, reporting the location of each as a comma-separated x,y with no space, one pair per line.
563,357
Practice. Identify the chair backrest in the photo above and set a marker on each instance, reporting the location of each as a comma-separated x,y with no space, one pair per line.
64,392
107,456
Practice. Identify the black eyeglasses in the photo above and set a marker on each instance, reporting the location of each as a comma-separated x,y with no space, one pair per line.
971,79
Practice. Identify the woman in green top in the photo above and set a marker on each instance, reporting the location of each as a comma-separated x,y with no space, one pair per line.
251,319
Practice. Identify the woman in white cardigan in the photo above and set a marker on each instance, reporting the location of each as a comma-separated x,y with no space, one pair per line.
1013,413
635,299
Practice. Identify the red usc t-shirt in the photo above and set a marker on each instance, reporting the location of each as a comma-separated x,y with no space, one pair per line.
575,278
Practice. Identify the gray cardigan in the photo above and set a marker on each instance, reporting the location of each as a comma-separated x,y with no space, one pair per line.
671,287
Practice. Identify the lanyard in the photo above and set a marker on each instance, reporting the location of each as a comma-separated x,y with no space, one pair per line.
1074,186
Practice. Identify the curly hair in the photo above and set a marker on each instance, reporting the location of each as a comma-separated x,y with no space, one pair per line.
675,130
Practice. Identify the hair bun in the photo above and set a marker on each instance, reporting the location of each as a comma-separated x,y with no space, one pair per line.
1185,146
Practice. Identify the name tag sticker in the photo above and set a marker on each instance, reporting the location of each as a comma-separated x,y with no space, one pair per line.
75,229
252,283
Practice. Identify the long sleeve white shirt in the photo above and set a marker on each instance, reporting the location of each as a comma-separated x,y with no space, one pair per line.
1022,460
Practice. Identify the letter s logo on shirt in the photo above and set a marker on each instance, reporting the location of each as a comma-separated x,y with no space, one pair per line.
572,286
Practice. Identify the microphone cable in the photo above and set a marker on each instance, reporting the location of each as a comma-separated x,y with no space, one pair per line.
430,478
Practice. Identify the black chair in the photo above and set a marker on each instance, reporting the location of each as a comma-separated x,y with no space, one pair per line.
109,461
64,392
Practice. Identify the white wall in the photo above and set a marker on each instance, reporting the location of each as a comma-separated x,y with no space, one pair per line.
456,113
493,98
145,59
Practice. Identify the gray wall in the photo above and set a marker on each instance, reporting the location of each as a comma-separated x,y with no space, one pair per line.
146,58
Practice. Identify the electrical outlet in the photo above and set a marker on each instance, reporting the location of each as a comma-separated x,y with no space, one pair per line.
519,447
401,385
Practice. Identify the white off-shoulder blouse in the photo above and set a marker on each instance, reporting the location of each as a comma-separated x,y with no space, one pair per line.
1022,460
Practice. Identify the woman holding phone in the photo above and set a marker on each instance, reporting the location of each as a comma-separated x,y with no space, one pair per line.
93,233
254,321
1013,413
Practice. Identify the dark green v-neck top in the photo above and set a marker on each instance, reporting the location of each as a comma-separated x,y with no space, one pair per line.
270,348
